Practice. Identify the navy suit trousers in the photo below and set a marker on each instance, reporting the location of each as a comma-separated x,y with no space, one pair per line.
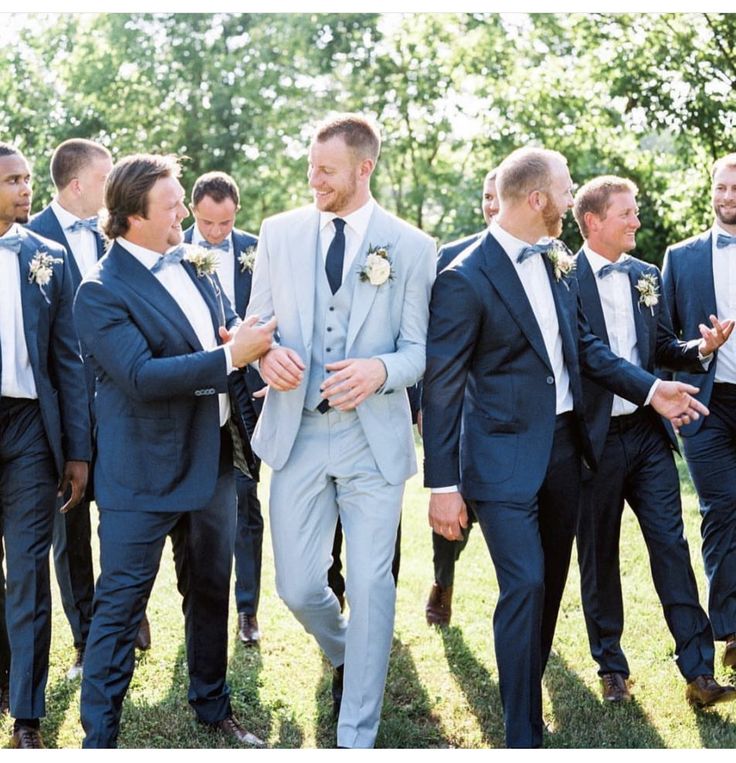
131,543
711,458
27,500
248,545
531,545
637,466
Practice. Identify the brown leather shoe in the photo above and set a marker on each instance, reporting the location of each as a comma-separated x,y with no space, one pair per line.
143,637
26,738
75,671
248,631
614,687
705,690
231,728
729,655
439,606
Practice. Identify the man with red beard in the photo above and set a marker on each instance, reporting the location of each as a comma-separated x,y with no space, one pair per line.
700,280
503,424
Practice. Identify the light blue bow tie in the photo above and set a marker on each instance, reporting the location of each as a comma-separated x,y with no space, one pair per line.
89,224
723,241
541,247
174,257
615,267
11,242
223,245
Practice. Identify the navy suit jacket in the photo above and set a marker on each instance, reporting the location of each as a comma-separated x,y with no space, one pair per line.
489,390
448,252
54,353
656,342
158,430
691,297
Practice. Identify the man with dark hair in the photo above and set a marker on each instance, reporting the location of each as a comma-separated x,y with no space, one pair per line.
699,282
44,433
621,297
79,169
349,284
445,553
215,203
503,423
164,346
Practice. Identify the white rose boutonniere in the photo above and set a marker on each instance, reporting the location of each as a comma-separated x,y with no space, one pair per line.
377,269
247,259
648,293
563,263
41,270
204,260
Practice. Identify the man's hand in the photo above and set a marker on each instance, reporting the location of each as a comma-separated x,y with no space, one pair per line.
674,401
282,369
248,341
354,380
714,337
75,474
448,515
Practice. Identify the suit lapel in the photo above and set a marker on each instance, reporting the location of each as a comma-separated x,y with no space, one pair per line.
643,316
566,318
591,297
702,262
302,247
32,300
499,270
210,296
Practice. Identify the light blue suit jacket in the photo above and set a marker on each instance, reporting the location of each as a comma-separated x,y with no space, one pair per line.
387,322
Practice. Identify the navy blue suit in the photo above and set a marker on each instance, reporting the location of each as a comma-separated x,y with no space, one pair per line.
164,466
489,409
635,464
72,531
36,438
708,443
249,525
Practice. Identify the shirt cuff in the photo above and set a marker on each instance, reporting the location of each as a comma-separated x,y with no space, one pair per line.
652,391
228,359
450,489
705,360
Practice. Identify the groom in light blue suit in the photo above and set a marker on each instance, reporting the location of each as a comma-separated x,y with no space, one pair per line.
349,285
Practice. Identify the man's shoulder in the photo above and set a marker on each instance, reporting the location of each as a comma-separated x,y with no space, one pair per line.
405,229
243,239
38,241
42,221
691,244
291,216
448,252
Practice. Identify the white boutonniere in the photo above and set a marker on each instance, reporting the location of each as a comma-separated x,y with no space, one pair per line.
247,259
41,270
647,288
204,260
563,263
377,269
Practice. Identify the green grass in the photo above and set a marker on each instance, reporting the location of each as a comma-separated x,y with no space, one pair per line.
442,687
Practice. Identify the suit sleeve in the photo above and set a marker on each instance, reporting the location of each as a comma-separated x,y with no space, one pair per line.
261,297
671,353
454,322
109,334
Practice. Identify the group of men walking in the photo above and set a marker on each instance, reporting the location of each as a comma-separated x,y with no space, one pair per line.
540,410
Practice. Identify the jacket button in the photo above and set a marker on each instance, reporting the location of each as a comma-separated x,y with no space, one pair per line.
329,328
550,380
329,349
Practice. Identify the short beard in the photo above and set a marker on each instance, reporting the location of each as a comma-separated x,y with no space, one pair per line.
23,219
723,219
552,221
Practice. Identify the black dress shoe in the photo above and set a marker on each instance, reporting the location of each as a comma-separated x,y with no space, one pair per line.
143,637
232,728
729,655
26,738
337,678
248,631
705,690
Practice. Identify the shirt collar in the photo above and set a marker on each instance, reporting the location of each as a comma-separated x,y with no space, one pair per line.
198,238
510,244
717,229
64,217
597,261
147,257
356,221
13,230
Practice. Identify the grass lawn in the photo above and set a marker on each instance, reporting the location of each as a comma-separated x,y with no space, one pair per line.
442,687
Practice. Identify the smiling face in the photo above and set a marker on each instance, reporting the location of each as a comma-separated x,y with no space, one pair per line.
15,191
614,232
559,197
215,219
160,229
724,197
339,179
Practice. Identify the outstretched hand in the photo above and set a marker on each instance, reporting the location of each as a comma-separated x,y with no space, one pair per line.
714,337
674,400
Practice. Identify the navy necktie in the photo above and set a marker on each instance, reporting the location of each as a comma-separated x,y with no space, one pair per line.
723,241
224,245
174,257
89,224
541,247
11,242
623,266
336,255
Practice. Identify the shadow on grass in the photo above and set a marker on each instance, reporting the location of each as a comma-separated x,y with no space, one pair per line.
476,683
407,721
59,697
584,720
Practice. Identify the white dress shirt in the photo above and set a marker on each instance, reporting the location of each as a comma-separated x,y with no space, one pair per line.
724,280
17,374
225,264
83,243
182,289
356,226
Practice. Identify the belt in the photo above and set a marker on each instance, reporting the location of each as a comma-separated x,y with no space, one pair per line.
628,421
